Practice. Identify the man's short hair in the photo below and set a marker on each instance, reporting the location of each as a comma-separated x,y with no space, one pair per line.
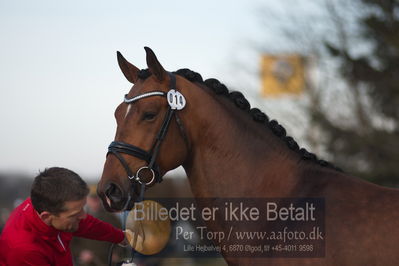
55,186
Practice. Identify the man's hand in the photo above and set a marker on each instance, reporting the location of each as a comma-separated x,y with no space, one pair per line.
132,240
125,241
86,256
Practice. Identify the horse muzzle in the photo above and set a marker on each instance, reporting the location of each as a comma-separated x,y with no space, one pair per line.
114,198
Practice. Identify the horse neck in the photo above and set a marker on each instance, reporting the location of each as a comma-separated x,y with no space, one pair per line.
231,155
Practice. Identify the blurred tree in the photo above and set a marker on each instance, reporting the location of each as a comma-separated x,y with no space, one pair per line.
352,101
366,142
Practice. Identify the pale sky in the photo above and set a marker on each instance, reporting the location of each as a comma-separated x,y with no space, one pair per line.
59,78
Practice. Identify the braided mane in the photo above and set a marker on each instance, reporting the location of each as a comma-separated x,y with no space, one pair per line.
242,103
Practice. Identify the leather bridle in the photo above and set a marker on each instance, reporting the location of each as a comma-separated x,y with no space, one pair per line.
176,102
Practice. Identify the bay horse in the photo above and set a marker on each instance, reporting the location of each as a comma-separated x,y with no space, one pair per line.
229,150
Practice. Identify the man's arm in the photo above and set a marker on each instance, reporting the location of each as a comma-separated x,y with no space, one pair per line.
94,228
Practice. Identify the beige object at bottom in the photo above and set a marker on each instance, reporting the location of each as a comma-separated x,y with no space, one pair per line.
147,230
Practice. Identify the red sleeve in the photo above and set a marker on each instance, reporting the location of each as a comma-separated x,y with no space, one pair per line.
96,229
26,258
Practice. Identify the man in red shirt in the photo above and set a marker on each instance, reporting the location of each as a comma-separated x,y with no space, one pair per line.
38,231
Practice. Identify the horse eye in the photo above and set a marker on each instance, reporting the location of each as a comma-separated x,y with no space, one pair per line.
148,116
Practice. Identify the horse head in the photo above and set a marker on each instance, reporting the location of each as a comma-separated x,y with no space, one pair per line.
149,139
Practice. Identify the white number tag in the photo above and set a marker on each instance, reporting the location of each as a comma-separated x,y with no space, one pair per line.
176,100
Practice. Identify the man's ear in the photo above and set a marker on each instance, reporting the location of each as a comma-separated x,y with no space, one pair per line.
46,217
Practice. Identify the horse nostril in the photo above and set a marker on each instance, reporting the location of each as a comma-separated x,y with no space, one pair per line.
114,193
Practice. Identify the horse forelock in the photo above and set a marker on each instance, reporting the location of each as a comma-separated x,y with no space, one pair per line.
242,103
144,74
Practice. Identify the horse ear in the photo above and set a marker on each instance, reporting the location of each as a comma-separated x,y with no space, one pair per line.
129,70
154,65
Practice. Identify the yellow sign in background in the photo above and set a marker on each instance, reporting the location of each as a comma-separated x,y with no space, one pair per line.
282,74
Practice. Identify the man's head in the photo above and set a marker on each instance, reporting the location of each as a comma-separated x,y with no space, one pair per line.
59,195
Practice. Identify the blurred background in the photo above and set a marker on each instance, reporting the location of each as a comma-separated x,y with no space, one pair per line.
328,71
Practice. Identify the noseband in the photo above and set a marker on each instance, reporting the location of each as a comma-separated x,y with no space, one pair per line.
176,101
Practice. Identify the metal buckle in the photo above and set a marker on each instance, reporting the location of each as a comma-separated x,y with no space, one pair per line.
137,177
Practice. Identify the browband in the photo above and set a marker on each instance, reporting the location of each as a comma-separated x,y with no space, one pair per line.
144,95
